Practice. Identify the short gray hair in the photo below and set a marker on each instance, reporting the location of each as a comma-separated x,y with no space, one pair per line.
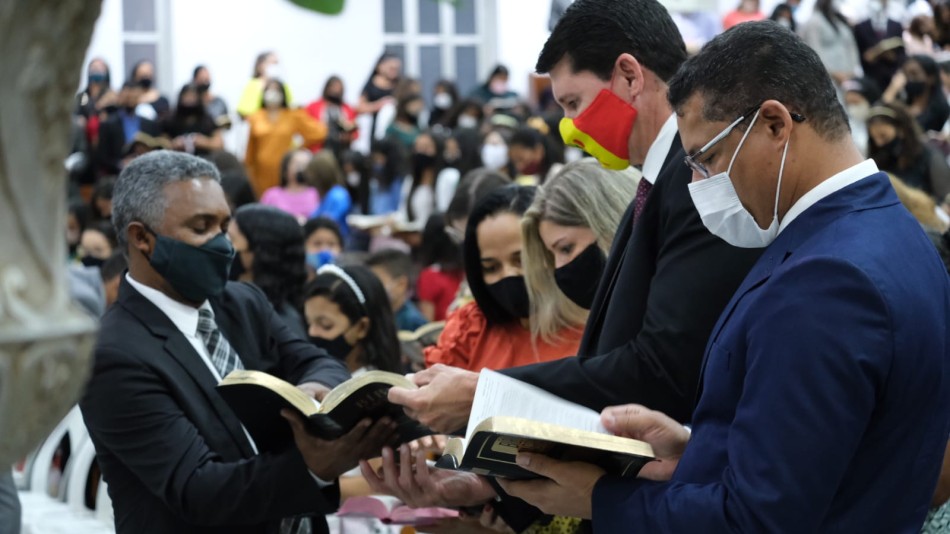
139,192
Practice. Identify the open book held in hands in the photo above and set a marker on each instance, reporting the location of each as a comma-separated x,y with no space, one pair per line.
257,398
509,416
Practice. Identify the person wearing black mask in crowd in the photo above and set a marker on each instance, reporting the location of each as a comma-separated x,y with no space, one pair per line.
419,192
93,104
175,456
190,128
897,146
118,131
339,117
348,315
143,74
918,81
445,96
378,91
214,105
98,85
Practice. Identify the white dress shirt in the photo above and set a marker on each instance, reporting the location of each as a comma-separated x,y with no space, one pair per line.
185,318
830,186
656,155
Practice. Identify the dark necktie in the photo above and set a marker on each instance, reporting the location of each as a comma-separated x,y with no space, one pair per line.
223,356
643,191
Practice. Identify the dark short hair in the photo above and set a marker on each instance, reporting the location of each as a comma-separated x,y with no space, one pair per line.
758,61
199,68
275,239
380,346
322,223
513,199
394,261
593,33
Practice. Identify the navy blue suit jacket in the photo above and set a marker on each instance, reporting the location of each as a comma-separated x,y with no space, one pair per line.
826,386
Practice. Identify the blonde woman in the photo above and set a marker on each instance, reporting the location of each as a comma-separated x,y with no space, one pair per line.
567,234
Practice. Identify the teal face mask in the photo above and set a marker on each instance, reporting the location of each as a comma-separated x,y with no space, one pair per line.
196,273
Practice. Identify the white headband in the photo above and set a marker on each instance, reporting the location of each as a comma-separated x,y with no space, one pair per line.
341,274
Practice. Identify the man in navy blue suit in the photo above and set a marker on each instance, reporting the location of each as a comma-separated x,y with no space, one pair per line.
825,399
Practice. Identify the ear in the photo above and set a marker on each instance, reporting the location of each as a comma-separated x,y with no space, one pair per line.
362,329
776,117
140,239
627,79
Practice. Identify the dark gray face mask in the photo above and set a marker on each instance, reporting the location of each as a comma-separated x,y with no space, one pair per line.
196,273
512,294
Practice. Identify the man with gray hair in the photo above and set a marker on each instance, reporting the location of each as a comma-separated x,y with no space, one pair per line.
175,456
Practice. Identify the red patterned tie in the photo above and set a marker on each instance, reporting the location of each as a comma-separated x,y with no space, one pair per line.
643,191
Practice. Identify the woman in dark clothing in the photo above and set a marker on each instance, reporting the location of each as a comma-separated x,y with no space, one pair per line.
919,79
897,145
190,128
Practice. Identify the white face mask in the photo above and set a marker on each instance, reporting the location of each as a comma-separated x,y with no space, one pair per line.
353,179
494,157
272,71
442,101
272,97
723,213
859,112
468,121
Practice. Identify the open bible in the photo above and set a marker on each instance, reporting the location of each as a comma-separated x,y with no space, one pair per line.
257,398
509,416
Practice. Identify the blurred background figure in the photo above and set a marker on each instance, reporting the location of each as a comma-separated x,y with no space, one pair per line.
269,248
379,88
898,146
119,129
339,117
294,195
323,242
214,105
534,155
442,270
828,33
273,129
189,128
746,11
418,194
405,127
394,269
325,174
445,97
152,104
881,44
495,95
859,95
783,15
266,67
919,87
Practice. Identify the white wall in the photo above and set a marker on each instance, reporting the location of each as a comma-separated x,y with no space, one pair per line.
522,31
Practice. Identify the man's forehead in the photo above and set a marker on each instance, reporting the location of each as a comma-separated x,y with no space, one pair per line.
195,192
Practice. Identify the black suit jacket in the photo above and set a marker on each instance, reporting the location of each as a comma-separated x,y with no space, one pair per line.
112,144
173,453
666,282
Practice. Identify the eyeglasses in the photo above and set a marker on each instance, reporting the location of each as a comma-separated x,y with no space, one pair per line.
692,160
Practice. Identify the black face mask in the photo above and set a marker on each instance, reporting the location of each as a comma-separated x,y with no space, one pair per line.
145,83
578,279
914,89
203,87
92,261
413,118
189,110
196,273
334,99
512,294
237,268
421,162
337,347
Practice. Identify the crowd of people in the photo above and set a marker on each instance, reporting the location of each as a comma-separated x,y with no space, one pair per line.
768,315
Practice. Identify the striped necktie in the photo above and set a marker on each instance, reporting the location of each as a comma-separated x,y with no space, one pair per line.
223,356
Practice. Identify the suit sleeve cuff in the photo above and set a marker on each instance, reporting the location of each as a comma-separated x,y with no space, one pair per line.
611,503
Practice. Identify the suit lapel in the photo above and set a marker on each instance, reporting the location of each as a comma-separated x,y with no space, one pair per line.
181,350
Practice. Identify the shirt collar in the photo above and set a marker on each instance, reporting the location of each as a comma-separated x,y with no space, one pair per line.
184,317
656,155
827,188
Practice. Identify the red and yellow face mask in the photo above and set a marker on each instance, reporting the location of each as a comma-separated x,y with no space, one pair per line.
603,130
